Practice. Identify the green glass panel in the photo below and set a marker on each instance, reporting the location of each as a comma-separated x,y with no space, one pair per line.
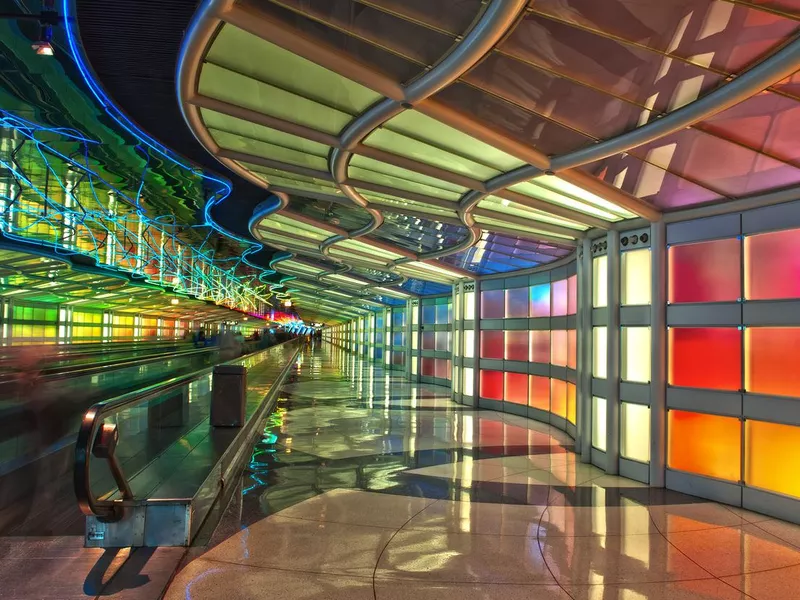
489,221
222,84
421,127
257,58
230,141
508,207
359,174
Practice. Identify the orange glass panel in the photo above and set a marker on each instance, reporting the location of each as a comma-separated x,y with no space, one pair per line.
559,350
540,346
771,360
572,348
772,265
772,457
704,444
516,388
539,392
558,397
705,271
705,357
572,403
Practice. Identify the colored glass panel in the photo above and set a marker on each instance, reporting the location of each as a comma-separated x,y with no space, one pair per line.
492,343
636,353
540,346
705,272
442,368
771,360
540,300
572,403
705,357
704,444
427,366
558,348
599,352
572,295
539,392
772,265
559,298
635,431
493,304
772,457
572,348
600,281
558,397
492,384
468,380
635,277
444,313
516,388
428,340
517,303
428,315
443,341
469,343
599,438
516,345
469,306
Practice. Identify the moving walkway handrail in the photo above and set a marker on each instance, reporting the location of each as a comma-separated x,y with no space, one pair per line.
99,439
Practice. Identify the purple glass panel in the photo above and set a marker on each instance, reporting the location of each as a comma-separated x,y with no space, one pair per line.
517,303
493,304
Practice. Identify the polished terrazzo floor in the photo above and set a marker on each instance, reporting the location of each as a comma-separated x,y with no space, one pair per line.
364,486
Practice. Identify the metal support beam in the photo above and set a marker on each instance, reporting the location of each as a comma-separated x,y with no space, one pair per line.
584,334
613,355
658,364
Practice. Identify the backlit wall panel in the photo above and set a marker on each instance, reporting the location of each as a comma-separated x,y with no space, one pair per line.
599,352
559,298
771,360
572,403
635,432
558,397
516,345
635,277
539,392
516,388
558,348
492,343
540,346
599,423
540,300
772,265
705,357
636,354
600,281
493,304
491,384
516,303
708,445
572,295
705,271
772,457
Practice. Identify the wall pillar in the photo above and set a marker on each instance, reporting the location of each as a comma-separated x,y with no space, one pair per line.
658,342
584,335
613,355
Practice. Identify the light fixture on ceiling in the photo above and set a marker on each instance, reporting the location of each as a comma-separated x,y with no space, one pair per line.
287,303
174,301
43,46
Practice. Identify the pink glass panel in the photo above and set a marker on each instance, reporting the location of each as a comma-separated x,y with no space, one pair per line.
428,340
705,271
517,303
540,300
442,367
540,346
492,343
772,265
572,295
539,392
558,397
493,304
559,350
572,349
516,388
516,345
559,301
491,384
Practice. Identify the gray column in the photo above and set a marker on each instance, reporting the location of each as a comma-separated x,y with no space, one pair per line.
410,308
613,358
658,365
476,352
584,335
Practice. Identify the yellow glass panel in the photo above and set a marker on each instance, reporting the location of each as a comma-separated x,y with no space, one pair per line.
599,423
635,432
636,277
600,281
599,352
772,457
636,354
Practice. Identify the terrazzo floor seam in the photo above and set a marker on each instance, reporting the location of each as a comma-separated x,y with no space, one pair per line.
364,485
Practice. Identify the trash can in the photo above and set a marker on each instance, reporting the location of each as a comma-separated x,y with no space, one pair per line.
228,396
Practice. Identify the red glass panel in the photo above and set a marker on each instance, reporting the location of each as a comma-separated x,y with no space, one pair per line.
705,272
572,295
559,300
517,303
442,368
559,351
558,397
540,346
492,344
493,304
539,392
771,360
428,340
572,348
772,265
705,357
517,345
516,388
427,366
491,384
540,300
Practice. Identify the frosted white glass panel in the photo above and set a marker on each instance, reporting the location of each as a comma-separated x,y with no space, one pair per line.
599,423
468,381
636,351
600,281
635,432
636,278
599,352
469,343
469,306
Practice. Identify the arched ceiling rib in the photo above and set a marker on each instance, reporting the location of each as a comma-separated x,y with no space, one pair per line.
537,121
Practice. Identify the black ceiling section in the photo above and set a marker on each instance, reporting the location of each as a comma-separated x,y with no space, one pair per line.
133,47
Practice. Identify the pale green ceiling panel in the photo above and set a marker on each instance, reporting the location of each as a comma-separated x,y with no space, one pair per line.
230,141
259,59
548,195
228,86
554,182
509,207
490,221
382,167
357,173
398,204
